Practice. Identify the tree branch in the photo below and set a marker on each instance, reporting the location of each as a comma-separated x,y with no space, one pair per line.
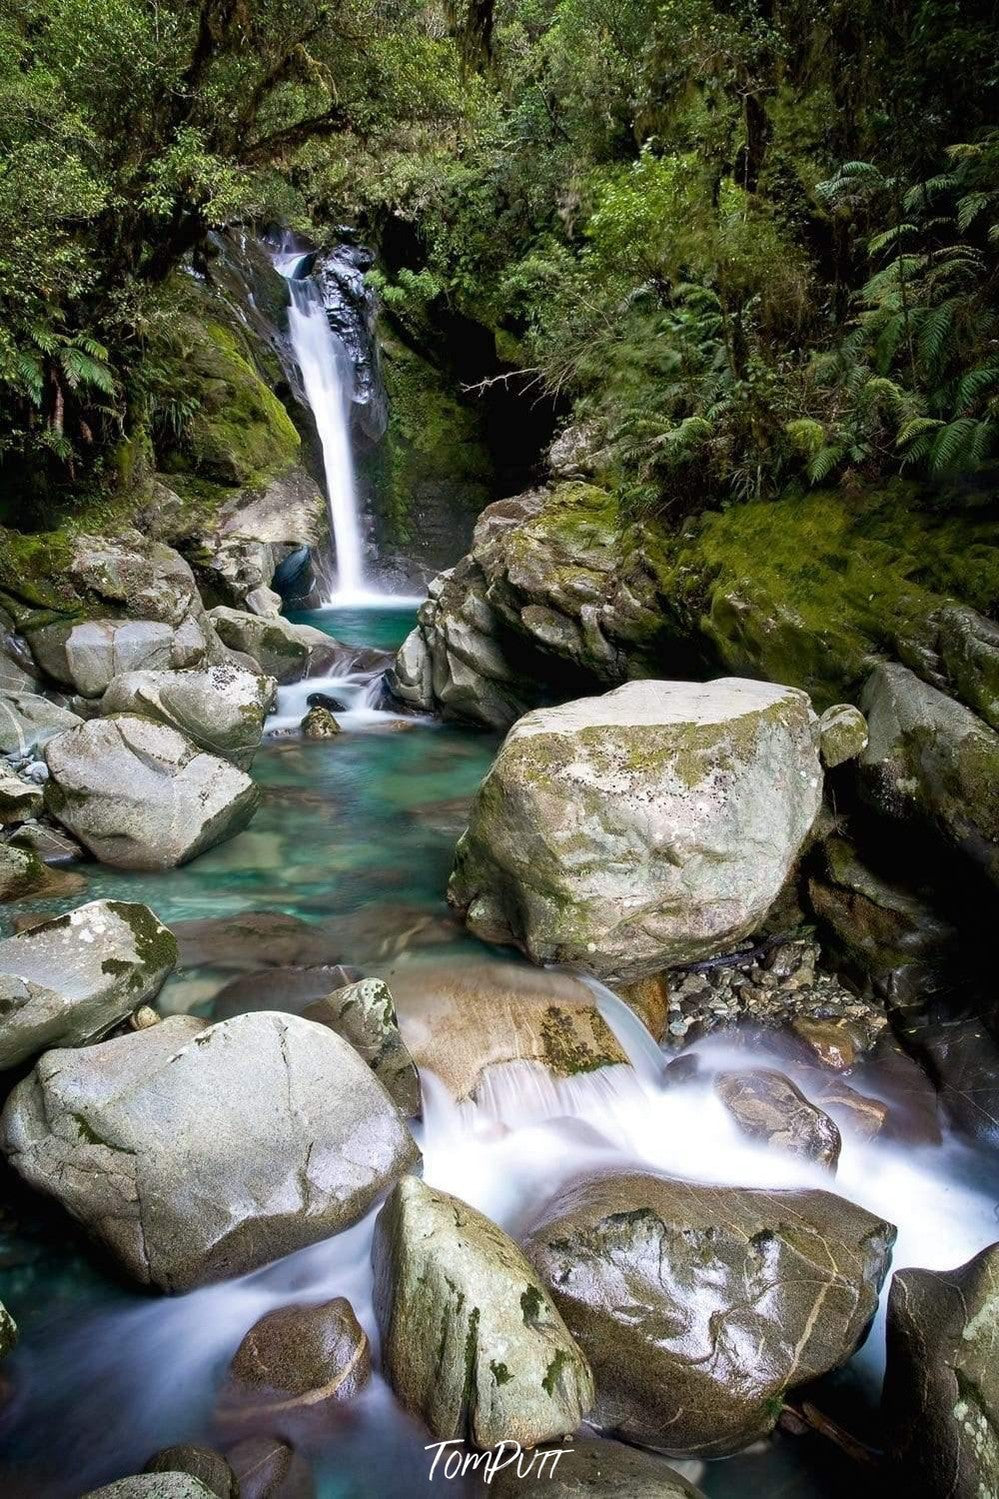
278,141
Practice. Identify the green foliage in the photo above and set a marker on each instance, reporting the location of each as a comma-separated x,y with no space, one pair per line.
127,131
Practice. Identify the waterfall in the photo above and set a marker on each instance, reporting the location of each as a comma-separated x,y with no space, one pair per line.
327,379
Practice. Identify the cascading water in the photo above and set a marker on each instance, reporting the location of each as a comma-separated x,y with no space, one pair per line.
327,378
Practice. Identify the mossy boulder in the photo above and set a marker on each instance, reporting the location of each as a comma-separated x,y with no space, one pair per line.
239,432
471,1341
282,650
700,1307
941,1393
21,873
932,759
154,1486
648,827
20,800
72,978
8,1331
807,590
589,1468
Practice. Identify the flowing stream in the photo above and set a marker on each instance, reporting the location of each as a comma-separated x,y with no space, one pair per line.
354,839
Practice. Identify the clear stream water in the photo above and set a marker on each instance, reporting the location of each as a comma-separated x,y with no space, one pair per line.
355,837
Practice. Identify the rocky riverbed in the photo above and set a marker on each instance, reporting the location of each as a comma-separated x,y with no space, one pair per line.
403,1184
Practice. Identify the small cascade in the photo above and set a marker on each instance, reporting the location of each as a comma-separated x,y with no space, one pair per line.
327,378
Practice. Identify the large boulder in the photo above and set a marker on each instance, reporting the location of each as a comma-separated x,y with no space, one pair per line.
141,796
463,1023
471,1341
73,977
221,708
88,655
941,1393
27,720
932,759
195,1154
699,1307
651,826
21,872
282,650
364,1014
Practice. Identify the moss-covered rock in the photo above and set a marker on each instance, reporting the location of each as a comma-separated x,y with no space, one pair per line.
239,431
471,1341
932,759
433,473
809,591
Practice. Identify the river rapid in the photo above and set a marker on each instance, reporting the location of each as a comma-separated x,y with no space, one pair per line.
354,839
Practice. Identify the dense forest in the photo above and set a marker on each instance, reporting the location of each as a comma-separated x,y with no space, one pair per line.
751,245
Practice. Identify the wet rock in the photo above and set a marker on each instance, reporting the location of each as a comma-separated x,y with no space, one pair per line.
768,1108
958,1047
203,1463
832,1043
21,873
941,1392
219,708
842,734
19,799
51,844
323,700
73,977
471,1342
87,656
293,1367
196,1154
319,723
589,1468
364,1014
27,720
267,1468
464,1023
649,998
154,1486
8,1331
648,827
699,1307
139,795
862,1116
282,650
880,927
932,759
969,649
